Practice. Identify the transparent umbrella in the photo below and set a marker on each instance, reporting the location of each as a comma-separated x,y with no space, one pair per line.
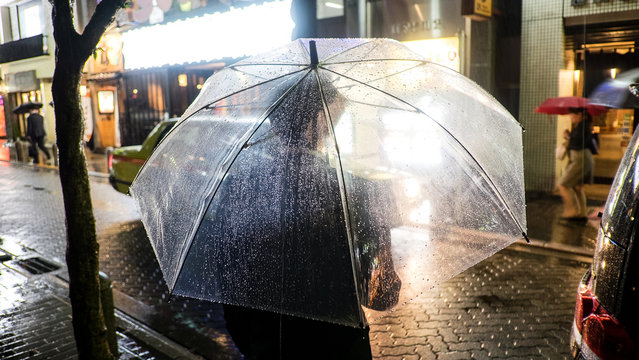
332,179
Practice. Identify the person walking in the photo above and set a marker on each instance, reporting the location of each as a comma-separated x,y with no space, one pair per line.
579,170
36,135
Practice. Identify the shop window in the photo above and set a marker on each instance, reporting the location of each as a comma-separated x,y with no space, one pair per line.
22,21
30,19
330,8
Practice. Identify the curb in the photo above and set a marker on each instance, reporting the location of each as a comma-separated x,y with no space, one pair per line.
570,252
152,338
136,329
53,168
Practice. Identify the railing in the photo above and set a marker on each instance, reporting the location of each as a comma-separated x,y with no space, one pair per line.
23,49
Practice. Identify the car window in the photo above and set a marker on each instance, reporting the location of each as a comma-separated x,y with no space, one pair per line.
618,217
152,140
163,134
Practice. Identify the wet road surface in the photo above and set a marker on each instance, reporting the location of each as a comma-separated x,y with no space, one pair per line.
515,304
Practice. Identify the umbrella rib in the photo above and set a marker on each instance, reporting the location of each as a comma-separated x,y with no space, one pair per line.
174,128
349,49
241,90
488,178
384,77
266,64
380,59
342,185
213,189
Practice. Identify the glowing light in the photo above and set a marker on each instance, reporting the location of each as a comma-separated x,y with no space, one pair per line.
344,134
410,137
183,80
421,215
157,15
333,5
112,46
411,188
443,51
232,34
613,73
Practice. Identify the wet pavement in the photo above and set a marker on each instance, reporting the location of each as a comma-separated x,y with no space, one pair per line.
516,304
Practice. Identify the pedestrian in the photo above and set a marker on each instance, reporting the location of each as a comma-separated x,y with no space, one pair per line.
36,135
579,170
300,233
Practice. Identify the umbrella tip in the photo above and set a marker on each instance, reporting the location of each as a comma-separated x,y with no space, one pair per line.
313,50
525,237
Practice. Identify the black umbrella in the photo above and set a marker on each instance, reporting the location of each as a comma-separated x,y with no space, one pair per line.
26,107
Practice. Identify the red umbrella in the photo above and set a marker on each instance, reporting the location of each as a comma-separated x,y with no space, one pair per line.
561,105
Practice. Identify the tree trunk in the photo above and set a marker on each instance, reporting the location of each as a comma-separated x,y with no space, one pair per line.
82,245
72,52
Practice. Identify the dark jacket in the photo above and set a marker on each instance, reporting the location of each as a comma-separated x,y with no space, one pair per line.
35,126
581,136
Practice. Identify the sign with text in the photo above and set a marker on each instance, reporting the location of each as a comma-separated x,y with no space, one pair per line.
443,51
415,20
21,81
477,9
484,7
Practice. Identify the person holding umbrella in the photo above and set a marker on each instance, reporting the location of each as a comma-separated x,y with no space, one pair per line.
579,170
36,134
285,216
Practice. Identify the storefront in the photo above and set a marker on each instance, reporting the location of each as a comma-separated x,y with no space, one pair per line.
26,65
602,50
22,87
458,35
153,70
569,48
434,29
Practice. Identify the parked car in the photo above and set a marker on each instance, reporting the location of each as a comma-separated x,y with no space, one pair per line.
125,162
606,322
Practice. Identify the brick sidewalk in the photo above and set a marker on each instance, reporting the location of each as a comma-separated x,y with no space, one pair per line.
35,318
514,304
510,306
35,222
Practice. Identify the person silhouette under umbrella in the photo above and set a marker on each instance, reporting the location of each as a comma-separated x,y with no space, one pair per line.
36,135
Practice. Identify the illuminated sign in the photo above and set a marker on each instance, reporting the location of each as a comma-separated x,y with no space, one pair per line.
484,8
106,102
443,51
233,34
477,9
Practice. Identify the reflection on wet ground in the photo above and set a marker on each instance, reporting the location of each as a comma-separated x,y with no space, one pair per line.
127,257
4,150
544,223
35,313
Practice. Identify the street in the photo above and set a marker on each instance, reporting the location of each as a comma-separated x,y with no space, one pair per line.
516,304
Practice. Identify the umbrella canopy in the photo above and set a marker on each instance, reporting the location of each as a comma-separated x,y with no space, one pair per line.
332,184
615,93
26,107
561,105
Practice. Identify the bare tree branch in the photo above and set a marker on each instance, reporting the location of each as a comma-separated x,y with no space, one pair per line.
65,34
63,30
99,23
